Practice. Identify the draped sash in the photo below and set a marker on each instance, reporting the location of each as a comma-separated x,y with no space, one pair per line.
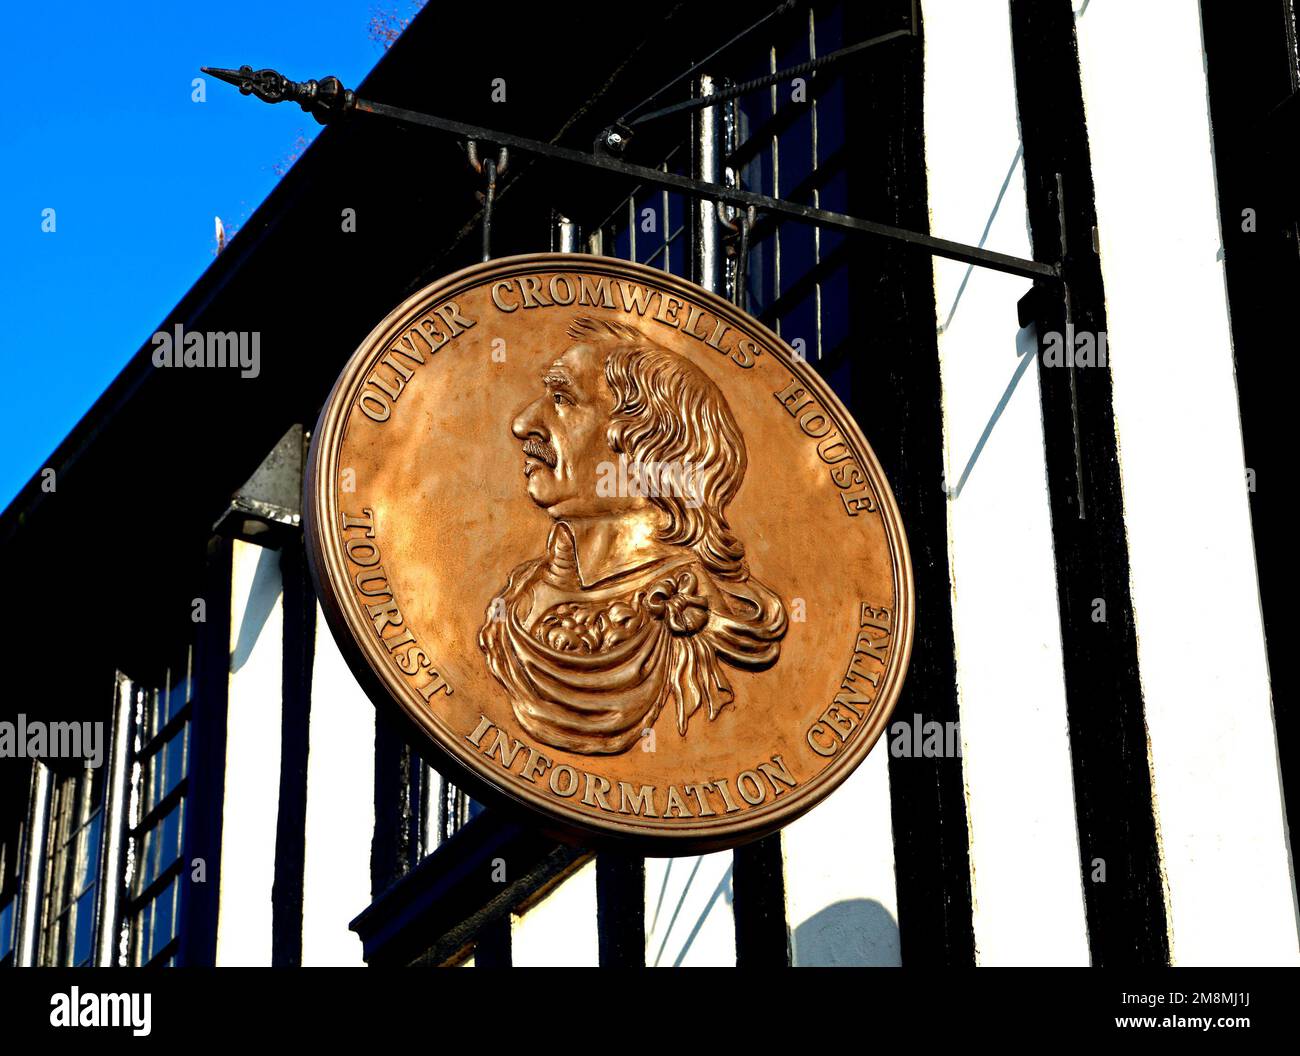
599,666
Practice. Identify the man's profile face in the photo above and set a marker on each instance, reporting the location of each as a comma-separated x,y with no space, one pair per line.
564,436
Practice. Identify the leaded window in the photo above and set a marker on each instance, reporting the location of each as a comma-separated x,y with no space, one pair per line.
155,868
72,869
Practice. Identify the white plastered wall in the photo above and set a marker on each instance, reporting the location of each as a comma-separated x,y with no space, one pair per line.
252,775
1230,887
1026,880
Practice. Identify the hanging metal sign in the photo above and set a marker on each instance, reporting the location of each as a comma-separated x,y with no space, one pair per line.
621,558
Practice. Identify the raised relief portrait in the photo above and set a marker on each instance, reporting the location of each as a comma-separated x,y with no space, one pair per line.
643,593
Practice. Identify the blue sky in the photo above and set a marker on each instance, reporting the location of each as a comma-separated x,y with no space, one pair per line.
100,127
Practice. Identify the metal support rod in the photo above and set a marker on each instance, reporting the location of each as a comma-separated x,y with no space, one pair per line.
340,102
780,9
630,119
939,247
745,87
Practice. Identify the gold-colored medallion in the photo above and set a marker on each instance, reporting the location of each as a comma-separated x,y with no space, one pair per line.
618,553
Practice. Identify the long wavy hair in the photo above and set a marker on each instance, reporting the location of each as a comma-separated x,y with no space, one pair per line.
668,411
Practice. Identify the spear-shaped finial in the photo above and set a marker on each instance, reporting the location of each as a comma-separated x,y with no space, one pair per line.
323,99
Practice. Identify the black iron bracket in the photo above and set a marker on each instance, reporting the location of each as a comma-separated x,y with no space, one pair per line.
323,99
328,99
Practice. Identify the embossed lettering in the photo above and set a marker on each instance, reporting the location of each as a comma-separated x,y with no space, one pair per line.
642,801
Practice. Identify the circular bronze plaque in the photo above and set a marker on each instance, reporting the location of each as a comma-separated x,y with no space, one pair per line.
622,557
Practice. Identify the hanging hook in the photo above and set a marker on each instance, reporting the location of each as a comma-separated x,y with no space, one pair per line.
489,197
471,153
490,169
743,223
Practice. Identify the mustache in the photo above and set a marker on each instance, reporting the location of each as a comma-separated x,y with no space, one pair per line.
541,449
